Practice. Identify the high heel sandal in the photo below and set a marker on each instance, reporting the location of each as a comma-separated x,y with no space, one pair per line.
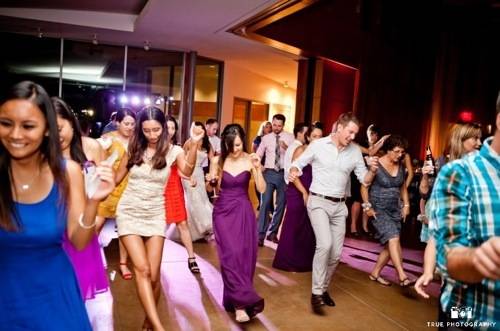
126,275
193,266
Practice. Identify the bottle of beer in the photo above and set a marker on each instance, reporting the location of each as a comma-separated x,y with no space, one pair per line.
429,160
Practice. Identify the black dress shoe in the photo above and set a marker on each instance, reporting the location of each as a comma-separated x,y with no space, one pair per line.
317,304
327,299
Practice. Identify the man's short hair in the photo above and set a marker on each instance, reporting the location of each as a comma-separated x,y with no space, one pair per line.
211,121
279,117
345,118
299,127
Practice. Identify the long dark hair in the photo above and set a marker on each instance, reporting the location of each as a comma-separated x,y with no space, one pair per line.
230,132
49,149
75,147
139,142
205,143
170,118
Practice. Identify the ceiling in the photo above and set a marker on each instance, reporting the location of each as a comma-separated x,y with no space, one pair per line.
190,25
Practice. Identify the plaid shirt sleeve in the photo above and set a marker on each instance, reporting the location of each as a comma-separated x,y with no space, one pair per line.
451,203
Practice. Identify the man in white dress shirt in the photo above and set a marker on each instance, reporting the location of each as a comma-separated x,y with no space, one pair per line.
333,158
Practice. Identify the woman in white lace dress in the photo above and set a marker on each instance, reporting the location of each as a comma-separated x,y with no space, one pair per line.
140,214
198,205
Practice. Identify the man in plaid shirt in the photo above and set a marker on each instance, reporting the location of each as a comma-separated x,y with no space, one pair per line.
466,201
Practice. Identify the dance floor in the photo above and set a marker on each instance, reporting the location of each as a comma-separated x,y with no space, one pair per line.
193,302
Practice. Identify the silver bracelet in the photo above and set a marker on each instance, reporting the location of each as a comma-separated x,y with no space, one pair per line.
366,206
86,227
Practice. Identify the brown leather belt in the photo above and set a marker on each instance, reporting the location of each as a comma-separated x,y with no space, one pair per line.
334,199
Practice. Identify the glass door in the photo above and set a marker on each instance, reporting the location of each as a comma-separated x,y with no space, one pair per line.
250,114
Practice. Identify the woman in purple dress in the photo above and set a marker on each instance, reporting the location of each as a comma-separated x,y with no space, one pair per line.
87,263
297,242
234,222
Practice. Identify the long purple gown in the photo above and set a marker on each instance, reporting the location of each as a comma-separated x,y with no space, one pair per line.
297,242
235,232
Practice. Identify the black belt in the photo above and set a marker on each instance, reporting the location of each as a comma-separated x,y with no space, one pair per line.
334,199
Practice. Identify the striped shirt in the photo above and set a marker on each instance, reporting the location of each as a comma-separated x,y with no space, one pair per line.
466,207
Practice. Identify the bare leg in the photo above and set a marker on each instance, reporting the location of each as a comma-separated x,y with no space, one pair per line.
364,220
123,258
185,235
382,260
143,273
355,210
396,257
154,251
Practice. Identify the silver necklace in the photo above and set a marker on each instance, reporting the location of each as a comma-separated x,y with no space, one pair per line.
148,157
27,186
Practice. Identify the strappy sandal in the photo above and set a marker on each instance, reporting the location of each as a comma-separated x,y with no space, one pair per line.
380,280
126,275
406,282
193,266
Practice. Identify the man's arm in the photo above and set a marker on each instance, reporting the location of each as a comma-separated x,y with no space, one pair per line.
262,148
455,256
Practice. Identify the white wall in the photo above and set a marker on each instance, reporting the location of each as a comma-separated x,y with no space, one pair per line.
241,83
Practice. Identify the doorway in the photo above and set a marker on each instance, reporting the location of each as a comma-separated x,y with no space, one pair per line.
250,114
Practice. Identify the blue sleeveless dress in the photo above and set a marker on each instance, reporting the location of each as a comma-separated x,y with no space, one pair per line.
38,287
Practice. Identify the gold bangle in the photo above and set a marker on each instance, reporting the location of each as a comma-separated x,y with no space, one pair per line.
86,227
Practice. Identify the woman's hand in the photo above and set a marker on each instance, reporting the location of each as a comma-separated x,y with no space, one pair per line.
106,176
192,182
255,159
371,213
427,169
196,133
305,197
405,211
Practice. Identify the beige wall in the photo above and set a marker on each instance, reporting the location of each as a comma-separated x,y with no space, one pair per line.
241,83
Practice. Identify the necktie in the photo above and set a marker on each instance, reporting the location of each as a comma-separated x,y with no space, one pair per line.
277,154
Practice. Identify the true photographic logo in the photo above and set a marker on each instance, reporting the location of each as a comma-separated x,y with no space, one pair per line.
461,312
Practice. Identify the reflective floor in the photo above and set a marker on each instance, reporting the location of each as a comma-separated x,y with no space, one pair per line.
193,302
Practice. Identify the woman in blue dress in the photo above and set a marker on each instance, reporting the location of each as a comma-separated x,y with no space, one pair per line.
42,196
387,202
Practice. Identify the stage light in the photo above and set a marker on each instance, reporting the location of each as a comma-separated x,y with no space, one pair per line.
159,101
123,99
147,101
135,100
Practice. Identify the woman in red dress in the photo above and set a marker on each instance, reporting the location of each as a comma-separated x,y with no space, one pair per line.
175,206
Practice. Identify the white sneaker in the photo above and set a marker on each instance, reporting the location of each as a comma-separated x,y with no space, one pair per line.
242,316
